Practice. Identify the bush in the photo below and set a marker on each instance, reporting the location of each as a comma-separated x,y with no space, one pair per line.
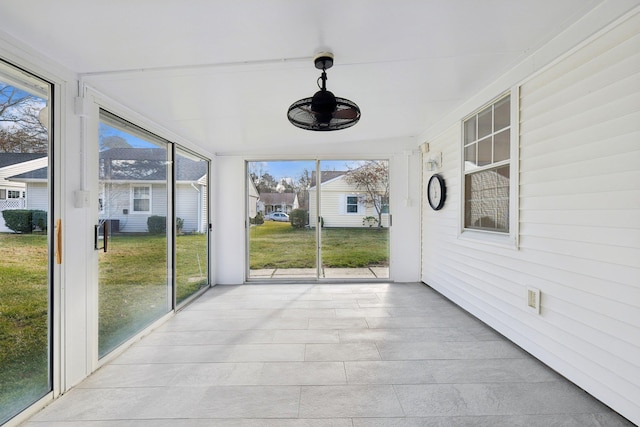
179,224
258,219
298,218
157,224
25,220
39,220
370,221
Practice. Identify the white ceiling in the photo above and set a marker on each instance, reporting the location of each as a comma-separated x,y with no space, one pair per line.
222,73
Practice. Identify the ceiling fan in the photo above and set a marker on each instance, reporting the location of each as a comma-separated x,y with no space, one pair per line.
324,111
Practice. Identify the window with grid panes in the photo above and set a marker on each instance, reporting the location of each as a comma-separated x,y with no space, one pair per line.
487,148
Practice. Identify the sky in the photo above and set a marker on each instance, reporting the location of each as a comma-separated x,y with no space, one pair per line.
293,169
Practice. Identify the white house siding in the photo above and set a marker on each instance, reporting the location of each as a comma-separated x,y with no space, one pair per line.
188,206
333,206
579,235
38,196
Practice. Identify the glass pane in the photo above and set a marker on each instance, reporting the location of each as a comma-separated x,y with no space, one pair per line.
502,114
133,280
501,146
485,122
354,198
470,130
192,224
24,243
484,152
487,200
470,161
281,205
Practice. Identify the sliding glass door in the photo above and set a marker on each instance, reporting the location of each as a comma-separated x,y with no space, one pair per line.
134,175
281,243
25,241
318,220
354,219
192,224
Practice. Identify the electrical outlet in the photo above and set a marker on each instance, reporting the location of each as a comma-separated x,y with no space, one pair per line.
533,300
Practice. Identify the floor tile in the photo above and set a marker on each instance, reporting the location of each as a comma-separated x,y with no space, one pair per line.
342,352
349,401
326,355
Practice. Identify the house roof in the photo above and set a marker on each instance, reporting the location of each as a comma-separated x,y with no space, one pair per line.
277,198
34,175
325,176
148,164
10,159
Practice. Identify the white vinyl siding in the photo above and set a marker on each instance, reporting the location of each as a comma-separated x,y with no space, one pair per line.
579,234
333,206
188,207
38,196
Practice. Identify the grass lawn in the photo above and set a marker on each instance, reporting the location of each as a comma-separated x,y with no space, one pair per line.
278,245
24,299
133,282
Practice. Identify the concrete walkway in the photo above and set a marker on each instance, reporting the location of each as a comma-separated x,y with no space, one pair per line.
326,273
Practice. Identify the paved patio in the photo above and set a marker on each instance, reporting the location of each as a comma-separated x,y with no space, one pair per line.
325,355
326,273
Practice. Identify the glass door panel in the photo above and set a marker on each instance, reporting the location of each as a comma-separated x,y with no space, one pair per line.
25,241
192,224
281,243
133,204
354,219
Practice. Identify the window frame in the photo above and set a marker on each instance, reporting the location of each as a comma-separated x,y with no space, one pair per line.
347,204
132,199
500,238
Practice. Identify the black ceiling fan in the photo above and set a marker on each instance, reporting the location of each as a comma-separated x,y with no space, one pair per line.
324,111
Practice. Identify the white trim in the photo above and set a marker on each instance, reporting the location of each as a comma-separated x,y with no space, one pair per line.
509,239
132,199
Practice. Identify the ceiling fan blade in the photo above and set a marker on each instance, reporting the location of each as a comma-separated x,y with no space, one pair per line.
346,114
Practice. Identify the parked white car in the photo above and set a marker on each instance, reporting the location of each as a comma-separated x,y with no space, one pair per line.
279,216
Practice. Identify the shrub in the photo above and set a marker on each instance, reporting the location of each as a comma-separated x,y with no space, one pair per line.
39,220
19,220
157,224
298,218
179,225
370,221
258,219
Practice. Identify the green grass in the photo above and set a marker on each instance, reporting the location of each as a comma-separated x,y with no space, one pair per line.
133,282
24,356
278,245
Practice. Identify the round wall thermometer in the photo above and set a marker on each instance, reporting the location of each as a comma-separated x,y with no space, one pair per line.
436,192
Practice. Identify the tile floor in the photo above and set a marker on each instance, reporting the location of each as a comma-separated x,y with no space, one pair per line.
324,355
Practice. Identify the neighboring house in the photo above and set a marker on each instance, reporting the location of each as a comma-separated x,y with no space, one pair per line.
341,204
13,194
254,200
278,202
133,188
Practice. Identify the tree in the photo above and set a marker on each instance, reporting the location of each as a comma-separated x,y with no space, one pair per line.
301,188
372,178
21,129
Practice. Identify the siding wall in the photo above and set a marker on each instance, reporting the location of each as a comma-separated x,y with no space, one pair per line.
333,206
188,207
579,223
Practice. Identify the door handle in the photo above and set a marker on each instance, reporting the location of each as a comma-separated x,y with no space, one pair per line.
96,236
58,238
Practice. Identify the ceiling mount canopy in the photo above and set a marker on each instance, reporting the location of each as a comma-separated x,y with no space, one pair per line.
324,111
